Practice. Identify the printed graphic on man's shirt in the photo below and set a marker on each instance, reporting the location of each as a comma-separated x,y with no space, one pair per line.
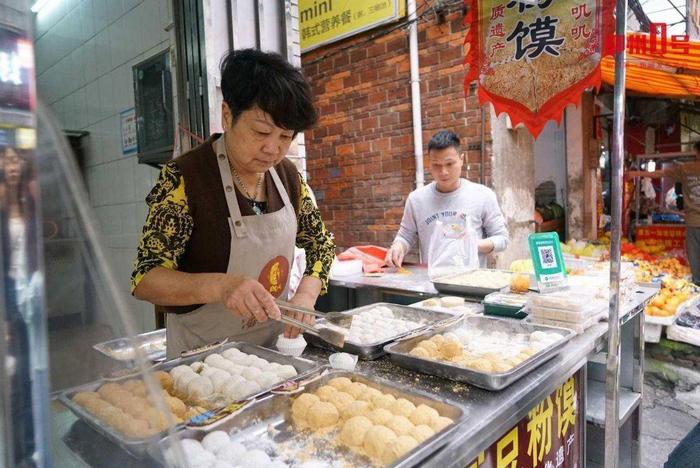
453,224
445,215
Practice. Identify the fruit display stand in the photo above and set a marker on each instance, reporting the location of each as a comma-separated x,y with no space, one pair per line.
673,294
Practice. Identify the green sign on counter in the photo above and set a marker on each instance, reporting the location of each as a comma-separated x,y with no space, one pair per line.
548,261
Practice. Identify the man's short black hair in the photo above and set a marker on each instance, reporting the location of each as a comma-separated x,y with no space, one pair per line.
696,146
250,77
444,139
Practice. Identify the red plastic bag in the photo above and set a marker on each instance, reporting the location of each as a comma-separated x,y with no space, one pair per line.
372,257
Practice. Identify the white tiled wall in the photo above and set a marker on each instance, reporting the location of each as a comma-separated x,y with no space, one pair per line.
85,50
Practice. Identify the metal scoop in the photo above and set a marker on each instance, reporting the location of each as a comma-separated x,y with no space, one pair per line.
334,318
327,334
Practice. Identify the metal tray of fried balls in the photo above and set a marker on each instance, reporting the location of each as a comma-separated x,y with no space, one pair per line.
487,352
374,421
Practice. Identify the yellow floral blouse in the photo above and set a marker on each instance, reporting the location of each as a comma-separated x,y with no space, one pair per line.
163,242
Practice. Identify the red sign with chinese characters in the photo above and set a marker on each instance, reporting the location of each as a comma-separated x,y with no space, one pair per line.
672,236
550,436
531,59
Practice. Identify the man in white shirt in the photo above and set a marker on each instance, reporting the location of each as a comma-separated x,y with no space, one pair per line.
448,196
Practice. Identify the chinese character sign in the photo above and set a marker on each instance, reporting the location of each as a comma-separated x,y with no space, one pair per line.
531,59
323,22
672,236
550,435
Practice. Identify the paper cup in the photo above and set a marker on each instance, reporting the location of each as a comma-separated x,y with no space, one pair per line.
291,347
343,361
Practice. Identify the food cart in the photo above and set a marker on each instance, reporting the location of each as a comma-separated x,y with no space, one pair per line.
563,408
492,419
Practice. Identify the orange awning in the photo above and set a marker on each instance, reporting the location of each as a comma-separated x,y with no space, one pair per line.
673,74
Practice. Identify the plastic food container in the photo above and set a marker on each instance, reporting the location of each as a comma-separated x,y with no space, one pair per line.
505,305
576,327
580,315
569,299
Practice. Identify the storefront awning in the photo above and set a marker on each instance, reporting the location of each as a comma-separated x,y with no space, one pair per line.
674,74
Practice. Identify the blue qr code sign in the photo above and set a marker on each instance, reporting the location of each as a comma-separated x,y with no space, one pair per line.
547,258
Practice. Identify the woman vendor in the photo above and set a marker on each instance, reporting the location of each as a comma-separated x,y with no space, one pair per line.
218,243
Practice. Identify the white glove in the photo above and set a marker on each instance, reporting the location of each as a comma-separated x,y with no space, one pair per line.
395,254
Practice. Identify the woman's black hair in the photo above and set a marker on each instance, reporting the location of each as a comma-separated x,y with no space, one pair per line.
444,139
696,146
250,77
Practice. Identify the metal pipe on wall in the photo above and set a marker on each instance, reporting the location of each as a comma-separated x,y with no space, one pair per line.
415,94
612,375
482,148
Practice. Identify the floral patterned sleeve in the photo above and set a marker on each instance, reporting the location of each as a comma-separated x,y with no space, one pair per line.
314,238
168,225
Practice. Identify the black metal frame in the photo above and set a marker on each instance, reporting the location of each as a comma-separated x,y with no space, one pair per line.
155,156
193,104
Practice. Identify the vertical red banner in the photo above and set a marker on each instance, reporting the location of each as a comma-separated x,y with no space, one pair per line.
533,59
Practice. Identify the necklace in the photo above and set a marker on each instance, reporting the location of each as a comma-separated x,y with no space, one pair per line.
258,207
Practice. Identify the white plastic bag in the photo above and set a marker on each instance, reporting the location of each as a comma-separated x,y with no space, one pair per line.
297,271
453,247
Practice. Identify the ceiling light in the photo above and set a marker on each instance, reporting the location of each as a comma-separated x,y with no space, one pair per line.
38,5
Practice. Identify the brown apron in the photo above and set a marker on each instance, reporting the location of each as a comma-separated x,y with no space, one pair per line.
262,247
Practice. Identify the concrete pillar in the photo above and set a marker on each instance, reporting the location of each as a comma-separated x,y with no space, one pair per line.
581,162
574,169
591,162
513,175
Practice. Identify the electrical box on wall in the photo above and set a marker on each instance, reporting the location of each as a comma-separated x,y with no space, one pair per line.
154,109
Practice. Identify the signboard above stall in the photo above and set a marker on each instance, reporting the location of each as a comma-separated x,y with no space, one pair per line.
324,22
533,58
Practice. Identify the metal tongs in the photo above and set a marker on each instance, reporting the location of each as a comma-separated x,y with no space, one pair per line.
327,334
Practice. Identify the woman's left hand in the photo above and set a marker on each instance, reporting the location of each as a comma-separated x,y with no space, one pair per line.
302,300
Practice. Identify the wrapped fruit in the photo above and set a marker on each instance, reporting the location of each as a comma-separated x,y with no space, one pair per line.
519,282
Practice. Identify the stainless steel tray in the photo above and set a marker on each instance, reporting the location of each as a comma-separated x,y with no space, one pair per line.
443,286
371,351
399,353
121,349
267,424
136,447
304,367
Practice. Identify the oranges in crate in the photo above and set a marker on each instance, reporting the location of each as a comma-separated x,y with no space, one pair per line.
670,297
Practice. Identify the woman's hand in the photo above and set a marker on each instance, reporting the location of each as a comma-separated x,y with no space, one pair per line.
307,301
247,299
